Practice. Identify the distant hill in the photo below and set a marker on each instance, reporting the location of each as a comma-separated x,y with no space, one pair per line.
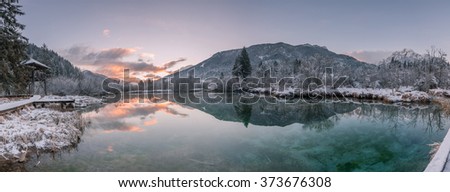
92,75
402,68
286,60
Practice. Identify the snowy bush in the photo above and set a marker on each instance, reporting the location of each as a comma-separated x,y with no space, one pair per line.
40,129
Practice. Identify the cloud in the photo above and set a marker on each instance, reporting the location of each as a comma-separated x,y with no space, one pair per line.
146,57
142,66
151,122
111,62
113,54
173,63
152,76
106,33
77,50
370,56
81,54
75,53
116,68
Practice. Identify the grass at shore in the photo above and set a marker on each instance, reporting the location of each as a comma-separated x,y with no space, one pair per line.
444,103
38,129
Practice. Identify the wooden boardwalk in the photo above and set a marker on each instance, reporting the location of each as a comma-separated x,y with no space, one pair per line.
64,102
447,165
35,101
16,105
441,160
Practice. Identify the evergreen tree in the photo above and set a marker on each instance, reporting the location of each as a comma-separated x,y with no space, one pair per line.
13,76
242,67
245,62
297,66
237,68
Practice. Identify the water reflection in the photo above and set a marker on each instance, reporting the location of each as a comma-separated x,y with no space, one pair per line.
169,136
115,117
243,112
322,116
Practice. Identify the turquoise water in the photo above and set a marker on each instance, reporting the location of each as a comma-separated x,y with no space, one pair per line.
168,136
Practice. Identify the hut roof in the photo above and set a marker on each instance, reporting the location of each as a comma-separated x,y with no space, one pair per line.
33,63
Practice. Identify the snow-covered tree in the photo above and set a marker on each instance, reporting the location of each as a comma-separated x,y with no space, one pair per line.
407,68
242,67
13,76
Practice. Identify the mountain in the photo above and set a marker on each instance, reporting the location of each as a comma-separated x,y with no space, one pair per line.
402,68
92,75
286,60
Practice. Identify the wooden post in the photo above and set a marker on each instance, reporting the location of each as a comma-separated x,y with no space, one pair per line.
45,85
32,83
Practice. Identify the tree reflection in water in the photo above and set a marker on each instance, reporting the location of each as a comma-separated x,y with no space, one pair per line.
321,116
243,112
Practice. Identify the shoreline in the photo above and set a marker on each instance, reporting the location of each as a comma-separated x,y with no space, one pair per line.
388,96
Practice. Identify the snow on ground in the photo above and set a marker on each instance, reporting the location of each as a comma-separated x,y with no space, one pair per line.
287,91
259,90
4,100
388,95
41,129
403,94
80,101
440,92
10,105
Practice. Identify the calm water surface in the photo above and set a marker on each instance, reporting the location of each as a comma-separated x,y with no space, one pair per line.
167,136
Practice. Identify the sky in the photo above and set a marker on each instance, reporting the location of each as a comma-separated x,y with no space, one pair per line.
154,37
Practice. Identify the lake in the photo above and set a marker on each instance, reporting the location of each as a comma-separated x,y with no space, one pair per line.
164,135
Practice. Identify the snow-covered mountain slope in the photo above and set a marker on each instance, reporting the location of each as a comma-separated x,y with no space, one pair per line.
285,61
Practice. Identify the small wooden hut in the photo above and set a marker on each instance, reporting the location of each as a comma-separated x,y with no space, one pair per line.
37,73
